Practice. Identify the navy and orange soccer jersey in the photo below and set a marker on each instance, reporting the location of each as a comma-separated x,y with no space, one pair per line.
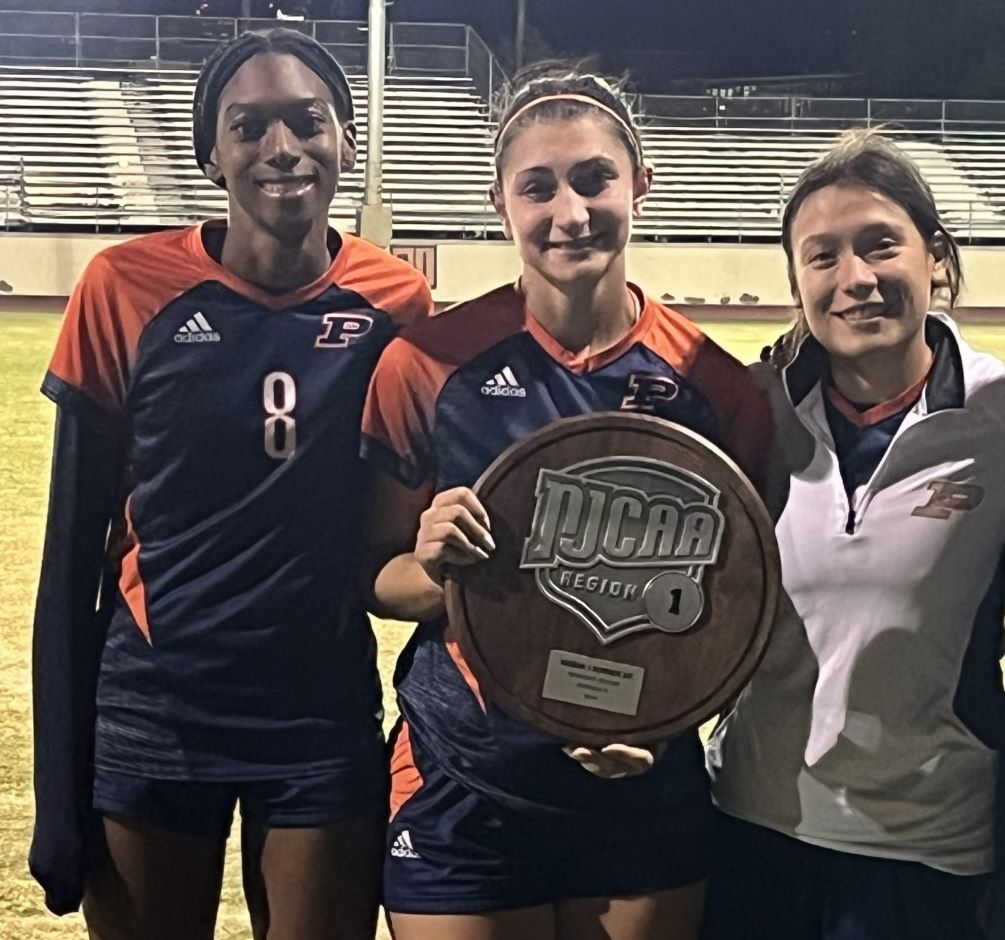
239,648
445,400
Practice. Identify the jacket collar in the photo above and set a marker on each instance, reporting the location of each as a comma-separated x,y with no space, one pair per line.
946,385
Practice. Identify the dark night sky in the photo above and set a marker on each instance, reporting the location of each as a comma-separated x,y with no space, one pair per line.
922,48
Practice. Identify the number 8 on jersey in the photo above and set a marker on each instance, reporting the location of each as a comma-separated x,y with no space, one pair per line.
279,396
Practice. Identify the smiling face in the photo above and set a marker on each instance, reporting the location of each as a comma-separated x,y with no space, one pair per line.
567,195
279,146
862,272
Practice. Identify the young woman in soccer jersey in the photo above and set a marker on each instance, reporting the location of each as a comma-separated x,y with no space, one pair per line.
857,771
499,831
209,384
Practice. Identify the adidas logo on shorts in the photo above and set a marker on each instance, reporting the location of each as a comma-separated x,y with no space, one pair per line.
402,846
504,383
196,330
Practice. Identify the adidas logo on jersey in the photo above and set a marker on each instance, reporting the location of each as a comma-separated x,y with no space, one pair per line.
402,846
196,330
504,383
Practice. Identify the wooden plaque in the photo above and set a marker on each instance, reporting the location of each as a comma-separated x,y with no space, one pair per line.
633,586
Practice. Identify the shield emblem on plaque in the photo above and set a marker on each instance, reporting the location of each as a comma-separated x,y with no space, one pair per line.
622,543
634,583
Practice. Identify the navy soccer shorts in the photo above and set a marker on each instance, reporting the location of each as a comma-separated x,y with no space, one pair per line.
453,850
766,884
207,808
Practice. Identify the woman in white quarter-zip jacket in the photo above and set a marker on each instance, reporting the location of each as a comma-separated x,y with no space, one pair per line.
856,774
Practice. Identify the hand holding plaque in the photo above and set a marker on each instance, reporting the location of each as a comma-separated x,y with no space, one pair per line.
634,583
454,530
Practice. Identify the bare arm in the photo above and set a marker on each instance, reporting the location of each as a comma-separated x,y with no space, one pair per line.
411,535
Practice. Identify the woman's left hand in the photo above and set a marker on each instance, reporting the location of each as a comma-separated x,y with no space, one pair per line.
616,760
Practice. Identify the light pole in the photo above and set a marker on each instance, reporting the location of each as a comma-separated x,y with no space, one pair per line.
521,23
373,220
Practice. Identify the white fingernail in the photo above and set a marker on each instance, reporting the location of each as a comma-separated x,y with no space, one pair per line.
480,552
489,543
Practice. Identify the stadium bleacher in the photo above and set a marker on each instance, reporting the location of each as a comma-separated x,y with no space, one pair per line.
734,180
113,149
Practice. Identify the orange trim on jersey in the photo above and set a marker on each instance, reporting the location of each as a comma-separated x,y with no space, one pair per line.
122,289
217,272
398,412
877,413
669,333
743,412
131,582
126,286
405,777
672,336
388,283
401,402
453,647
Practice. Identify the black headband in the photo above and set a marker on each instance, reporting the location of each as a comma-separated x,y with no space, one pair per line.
227,59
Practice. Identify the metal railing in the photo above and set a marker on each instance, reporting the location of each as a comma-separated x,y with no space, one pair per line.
12,185
137,42
483,68
796,112
112,40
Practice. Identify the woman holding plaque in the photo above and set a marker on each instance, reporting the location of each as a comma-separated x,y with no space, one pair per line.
499,830
857,771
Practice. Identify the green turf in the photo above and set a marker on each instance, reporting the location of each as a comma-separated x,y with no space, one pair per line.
26,341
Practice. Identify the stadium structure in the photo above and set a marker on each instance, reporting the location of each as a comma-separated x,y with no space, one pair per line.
95,144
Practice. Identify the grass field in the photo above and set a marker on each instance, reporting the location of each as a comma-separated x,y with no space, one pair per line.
26,341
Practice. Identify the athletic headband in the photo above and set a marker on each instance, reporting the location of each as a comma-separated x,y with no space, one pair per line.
571,96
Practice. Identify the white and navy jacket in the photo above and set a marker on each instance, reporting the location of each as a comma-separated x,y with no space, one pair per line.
874,722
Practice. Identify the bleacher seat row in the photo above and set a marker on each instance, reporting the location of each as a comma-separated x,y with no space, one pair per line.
114,149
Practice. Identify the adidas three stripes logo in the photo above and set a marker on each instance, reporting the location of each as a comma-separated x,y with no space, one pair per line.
504,383
196,330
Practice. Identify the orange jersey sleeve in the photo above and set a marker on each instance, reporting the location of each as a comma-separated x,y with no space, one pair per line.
120,291
400,410
741,405
388,283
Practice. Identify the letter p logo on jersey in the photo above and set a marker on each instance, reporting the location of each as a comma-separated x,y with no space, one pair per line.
949,497
343,329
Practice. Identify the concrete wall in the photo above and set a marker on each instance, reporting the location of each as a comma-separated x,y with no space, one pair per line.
733,278
46,265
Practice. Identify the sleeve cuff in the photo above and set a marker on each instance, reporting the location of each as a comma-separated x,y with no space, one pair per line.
76,402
